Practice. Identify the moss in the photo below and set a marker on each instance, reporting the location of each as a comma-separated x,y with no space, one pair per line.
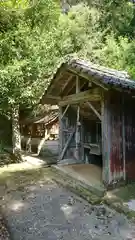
75,187
119,206
114,202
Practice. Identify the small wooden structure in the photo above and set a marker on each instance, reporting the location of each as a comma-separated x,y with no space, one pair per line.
96,118
35,132
41,126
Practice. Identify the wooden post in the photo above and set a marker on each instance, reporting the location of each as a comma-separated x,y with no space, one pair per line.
82,141
60,132
77,139
106,141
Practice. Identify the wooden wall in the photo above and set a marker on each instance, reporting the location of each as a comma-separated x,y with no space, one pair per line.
119,142
117,169
130,139
118,138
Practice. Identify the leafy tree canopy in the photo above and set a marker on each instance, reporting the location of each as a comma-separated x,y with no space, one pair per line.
109,37
36,35
24,40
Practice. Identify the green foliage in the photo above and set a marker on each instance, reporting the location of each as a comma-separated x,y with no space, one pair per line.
35,36
106,31
24,39
14,3
42,14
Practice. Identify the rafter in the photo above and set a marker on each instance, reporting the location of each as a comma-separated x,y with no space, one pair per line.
66,83
94,80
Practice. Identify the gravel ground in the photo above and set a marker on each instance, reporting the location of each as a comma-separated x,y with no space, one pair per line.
4,235
50,212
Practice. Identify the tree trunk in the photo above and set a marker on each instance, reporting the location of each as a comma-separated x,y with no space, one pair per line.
16,136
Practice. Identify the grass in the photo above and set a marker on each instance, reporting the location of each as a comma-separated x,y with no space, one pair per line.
126,193
18,176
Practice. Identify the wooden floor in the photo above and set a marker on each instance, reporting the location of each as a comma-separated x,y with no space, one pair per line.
88,173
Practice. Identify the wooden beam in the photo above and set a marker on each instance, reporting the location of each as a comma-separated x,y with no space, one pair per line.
48,99
100,84
89,95
77,84
92,79
67,82
73,86
66,145
53,97
84,82
94,110
67,107
69,88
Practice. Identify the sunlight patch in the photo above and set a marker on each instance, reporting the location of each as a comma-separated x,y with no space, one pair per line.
67,210
16,206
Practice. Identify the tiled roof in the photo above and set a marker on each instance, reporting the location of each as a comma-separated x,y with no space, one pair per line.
102,74
52,116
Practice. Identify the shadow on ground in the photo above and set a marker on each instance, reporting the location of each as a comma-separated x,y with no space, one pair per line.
35,207
17,178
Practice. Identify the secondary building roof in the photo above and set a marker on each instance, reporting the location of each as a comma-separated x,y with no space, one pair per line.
48,118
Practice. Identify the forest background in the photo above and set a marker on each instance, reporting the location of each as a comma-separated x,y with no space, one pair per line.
36,35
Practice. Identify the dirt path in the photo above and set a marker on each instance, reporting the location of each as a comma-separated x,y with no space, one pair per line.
35,207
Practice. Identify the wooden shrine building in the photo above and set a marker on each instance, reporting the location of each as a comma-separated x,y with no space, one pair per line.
41,126
96,118
35,131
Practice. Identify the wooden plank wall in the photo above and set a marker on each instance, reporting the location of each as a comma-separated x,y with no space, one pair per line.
121,136
130,139
117,170
112,139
